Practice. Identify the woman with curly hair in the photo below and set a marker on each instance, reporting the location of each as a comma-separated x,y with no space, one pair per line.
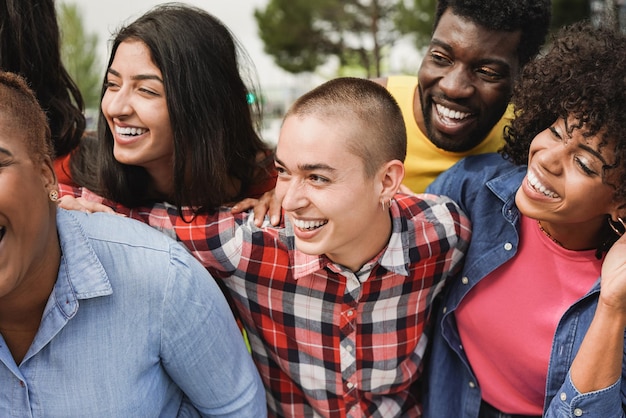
534,325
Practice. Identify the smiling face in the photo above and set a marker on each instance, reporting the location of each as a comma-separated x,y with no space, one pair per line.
135,109
465,82
29,249
564,186
334,207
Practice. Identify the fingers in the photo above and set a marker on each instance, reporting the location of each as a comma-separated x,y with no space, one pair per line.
80,204
265,205
244,205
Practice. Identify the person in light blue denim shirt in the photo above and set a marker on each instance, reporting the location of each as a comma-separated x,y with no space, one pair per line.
534,325
102,316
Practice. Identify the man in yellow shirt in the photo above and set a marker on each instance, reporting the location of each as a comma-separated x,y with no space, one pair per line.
457,104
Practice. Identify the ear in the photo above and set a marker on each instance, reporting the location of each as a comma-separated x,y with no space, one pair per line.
48,175
391,175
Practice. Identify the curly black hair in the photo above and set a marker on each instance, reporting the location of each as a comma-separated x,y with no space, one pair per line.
532,17
582,75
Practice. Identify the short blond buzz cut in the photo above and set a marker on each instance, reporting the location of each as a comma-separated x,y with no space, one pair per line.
20,112
382,134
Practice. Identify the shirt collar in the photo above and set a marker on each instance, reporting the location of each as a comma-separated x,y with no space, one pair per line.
81,274
394,257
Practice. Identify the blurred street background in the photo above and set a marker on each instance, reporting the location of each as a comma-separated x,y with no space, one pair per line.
294,44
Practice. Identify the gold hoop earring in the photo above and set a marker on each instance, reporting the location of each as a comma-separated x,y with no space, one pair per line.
614,226
53,195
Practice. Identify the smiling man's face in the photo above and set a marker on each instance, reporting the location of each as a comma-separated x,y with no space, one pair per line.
465,82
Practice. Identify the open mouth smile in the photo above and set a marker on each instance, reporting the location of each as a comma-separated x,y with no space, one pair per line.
309,225
534,182
129,131
449,114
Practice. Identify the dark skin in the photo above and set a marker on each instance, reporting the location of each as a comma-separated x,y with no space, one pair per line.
27,280
467,69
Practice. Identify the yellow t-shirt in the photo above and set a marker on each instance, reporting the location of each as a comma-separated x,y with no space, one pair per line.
424,161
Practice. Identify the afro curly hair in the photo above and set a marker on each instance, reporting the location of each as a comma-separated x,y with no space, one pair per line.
582,76
531,17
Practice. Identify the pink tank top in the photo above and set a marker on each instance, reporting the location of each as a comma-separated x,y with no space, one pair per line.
507,321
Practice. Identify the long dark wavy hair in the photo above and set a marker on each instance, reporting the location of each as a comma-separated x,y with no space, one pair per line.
30,46
582,75
214,126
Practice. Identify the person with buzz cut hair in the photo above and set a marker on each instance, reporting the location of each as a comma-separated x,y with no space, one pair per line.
335,302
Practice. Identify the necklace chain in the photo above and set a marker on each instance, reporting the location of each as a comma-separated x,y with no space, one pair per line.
547,234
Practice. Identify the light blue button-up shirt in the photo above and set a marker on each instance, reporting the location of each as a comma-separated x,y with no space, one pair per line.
134,327
485,187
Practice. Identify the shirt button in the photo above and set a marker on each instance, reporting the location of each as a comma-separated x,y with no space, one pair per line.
350,312
508,246
465,280
350,385
472,385
349,349
445,309
563,396
578,412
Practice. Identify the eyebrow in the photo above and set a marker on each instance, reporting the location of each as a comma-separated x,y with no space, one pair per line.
138,76
309,167
596,153
6,151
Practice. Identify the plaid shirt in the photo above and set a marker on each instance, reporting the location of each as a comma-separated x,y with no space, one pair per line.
327,341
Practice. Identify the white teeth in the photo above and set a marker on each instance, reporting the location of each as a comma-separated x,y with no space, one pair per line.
534,182
451,114
309,224
130,130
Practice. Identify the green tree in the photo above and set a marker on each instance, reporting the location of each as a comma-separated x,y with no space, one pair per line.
302,35
79,54
416,18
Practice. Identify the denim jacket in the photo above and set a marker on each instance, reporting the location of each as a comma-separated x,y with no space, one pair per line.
484,186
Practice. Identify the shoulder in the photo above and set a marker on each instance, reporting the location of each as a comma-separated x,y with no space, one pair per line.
382,81
431,208
402,82
472,171
120,230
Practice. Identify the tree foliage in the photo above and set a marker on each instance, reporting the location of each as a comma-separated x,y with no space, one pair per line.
79,54
302,35
415,18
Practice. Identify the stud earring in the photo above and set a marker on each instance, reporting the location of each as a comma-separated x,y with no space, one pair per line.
53,195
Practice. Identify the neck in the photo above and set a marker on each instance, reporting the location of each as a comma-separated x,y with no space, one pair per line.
575,237
373,243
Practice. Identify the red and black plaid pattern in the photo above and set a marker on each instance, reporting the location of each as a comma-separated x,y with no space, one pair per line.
327,341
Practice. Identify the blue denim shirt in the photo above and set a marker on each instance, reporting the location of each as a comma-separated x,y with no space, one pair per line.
134,327
485,187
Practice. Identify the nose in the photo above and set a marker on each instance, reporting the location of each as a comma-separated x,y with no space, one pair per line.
457,83
116,103
552,158
293,194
